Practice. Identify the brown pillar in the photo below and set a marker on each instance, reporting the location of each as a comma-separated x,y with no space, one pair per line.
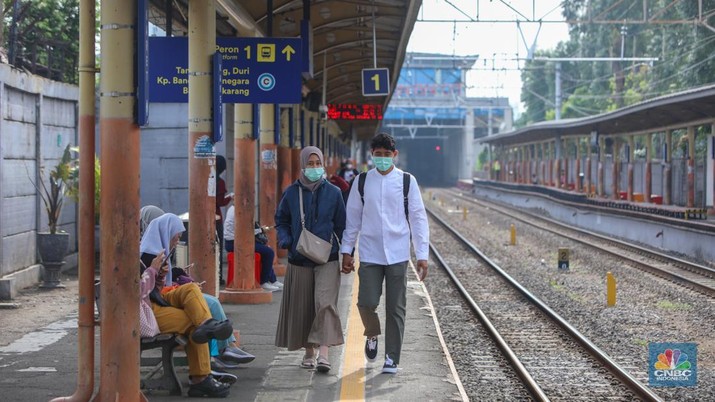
588,179
691,167
648,162
244,289
616,169
119,208
668,186
202,170
577,169
601,160
284,165
85,322
267,201
631,156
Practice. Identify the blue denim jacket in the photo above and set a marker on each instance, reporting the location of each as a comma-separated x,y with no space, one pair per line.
324,212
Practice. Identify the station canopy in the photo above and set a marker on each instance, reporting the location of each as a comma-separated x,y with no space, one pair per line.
676,110
342,39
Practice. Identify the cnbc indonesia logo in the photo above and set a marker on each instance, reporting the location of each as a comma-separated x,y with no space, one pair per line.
673,364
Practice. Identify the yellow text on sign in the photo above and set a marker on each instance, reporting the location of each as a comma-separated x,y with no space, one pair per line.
266,53
376,79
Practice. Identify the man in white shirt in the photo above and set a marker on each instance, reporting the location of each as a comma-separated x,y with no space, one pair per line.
379,218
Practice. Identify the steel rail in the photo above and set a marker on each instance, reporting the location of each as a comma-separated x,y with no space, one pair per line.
631,382
661,272
521,371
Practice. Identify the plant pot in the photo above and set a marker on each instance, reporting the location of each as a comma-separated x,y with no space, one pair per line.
52,249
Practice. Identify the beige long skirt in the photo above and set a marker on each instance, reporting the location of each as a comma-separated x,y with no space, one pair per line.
309,314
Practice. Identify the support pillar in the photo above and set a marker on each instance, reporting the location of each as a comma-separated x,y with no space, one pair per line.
552,163
299,142
284,165
589,169
467,162
691,167
267,191
630,156
616,169
85,321
668,185
577,169
244,289
202,171
119,207
648,162
601,161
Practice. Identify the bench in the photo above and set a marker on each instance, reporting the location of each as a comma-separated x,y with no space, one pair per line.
169,381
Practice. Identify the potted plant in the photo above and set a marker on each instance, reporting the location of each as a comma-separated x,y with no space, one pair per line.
52,246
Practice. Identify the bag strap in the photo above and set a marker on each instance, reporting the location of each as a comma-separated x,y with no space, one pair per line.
302,217
361,186
405,190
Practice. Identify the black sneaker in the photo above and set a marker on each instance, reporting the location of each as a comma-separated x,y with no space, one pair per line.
389,367
224,378
209,387
371,349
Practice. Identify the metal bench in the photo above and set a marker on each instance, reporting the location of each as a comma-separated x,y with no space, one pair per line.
169,381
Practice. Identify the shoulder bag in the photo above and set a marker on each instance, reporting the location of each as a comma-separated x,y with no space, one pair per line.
310,245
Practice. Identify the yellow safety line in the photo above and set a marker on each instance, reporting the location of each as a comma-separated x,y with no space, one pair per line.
353,383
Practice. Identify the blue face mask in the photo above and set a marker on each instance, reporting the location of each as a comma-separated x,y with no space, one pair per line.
382,163
314,174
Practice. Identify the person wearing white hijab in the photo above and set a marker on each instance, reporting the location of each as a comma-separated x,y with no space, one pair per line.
163,233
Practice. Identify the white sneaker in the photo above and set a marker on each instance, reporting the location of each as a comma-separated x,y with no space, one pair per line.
269,287
277,284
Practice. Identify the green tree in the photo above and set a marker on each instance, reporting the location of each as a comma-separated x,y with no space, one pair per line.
46,36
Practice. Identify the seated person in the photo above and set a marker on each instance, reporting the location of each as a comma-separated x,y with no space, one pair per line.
182,310
163,233
268,276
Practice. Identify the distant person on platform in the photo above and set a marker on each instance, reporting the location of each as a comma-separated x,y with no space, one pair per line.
260,246
223,198
348,171
379,217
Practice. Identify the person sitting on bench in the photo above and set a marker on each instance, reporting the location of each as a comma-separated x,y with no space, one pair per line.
182,310
225,353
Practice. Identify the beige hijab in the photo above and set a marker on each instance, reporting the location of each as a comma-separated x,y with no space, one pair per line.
304,156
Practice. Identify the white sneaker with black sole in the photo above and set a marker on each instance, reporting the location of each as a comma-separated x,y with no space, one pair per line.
389,367
371,349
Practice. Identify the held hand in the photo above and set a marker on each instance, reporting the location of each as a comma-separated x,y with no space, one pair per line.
158,261
348,265
422,269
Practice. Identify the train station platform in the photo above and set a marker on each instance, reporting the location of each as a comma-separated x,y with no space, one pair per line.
43,364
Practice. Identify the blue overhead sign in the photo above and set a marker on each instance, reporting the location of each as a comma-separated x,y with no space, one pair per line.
375,81
254,70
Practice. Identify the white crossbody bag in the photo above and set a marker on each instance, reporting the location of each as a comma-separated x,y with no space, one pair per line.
310,245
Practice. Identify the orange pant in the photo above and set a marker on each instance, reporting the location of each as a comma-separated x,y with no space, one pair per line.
188,311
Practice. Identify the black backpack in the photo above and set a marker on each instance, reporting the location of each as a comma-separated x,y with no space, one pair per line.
405,189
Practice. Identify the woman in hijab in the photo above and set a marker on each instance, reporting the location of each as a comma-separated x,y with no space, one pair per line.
159,236
182,309
147,214
308,316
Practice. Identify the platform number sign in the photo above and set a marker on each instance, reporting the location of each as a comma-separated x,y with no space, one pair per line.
564,259
375,81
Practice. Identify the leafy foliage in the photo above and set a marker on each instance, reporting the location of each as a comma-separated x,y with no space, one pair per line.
46,40
63,175
685,52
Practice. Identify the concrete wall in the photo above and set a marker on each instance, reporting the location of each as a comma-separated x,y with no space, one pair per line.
38,118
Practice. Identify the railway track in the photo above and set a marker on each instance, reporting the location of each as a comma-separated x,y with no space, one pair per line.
552,359
688,274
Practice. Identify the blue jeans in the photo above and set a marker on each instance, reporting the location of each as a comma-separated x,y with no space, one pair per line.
216,346
267,256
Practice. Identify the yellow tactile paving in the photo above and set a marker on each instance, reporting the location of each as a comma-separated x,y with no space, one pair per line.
353,381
